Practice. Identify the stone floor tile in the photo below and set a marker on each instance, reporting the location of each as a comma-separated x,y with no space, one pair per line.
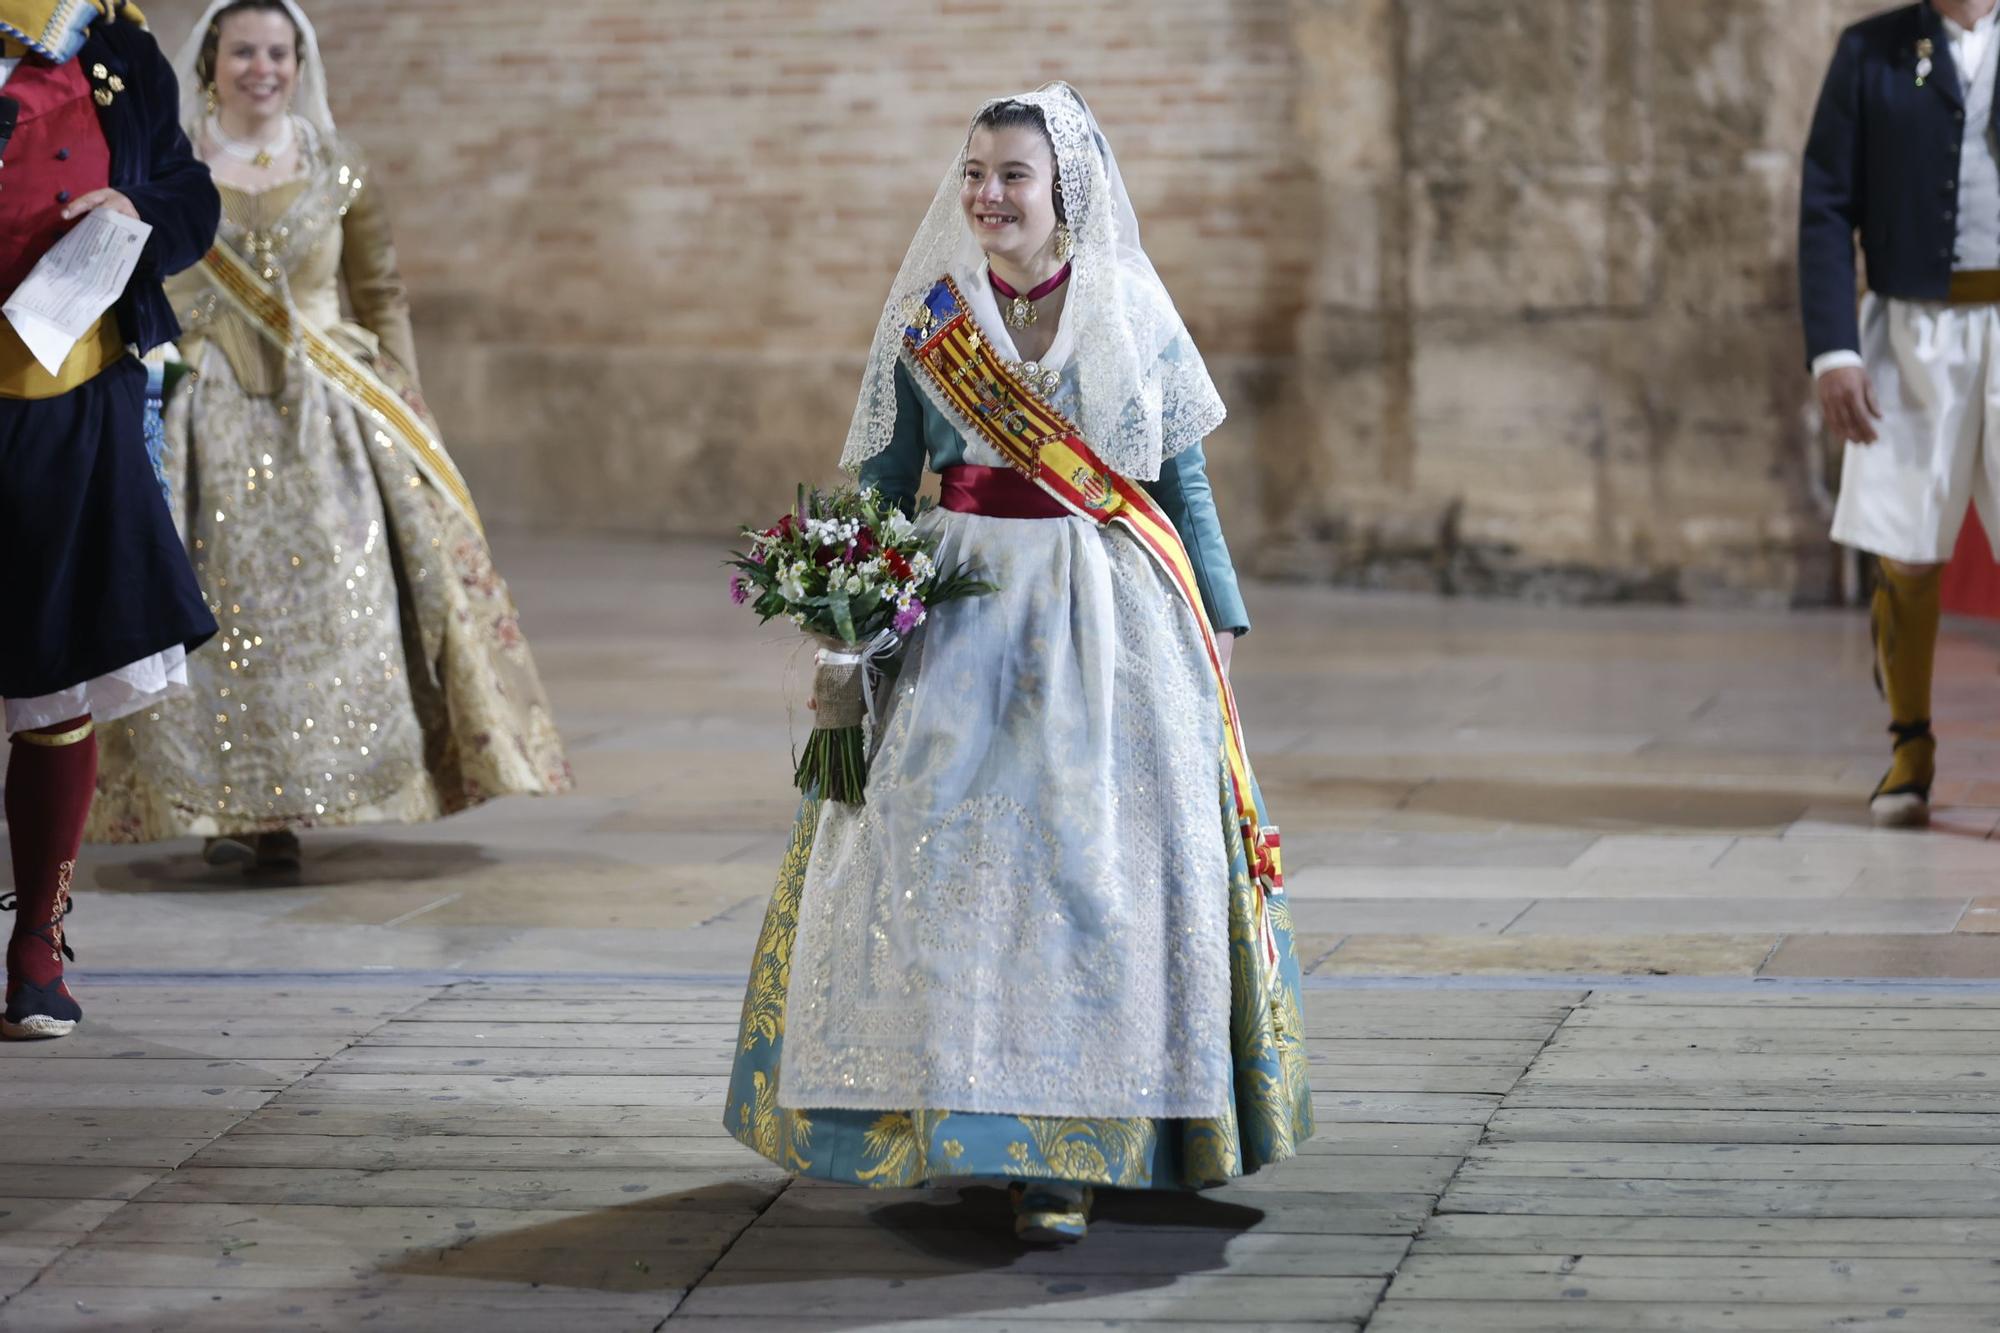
1650,955
1982,917
1618,882
1957,955
1415,916
1365,847
1851,819
1587,917
1691,853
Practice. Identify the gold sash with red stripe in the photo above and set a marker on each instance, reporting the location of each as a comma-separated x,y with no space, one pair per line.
945,345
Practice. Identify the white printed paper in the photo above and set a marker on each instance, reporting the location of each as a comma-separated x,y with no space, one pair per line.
75,283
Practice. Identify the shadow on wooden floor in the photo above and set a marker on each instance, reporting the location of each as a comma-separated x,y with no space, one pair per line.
710,1237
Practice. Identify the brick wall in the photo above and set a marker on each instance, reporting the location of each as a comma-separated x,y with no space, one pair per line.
1499,291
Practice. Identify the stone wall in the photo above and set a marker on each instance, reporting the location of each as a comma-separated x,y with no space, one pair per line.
1500,291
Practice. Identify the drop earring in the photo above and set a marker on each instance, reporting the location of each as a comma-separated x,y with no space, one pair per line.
1065,243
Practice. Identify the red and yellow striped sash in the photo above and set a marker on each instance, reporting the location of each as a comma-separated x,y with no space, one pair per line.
946,346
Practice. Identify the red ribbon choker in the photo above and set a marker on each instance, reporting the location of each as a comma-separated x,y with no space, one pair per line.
1007,293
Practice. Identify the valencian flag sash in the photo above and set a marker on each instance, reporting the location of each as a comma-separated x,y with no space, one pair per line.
944,344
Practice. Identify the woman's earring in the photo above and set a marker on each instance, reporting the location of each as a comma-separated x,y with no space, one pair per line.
208,95
1065,243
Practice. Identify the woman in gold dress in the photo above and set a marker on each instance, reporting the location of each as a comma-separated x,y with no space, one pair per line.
371,666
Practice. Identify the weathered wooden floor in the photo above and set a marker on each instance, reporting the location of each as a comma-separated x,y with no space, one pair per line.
251,1156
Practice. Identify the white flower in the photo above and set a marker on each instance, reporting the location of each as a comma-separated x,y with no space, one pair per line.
853,584
898,525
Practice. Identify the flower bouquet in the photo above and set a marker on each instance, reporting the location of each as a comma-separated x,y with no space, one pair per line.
851,570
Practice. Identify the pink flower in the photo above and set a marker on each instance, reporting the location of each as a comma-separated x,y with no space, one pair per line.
909,617
739,590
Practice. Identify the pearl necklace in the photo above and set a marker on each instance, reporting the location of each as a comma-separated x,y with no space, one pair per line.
256,154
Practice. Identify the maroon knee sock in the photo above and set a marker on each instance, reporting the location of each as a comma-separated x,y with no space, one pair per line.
49,789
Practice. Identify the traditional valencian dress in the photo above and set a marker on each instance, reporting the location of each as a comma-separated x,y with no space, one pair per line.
371,666
1052,944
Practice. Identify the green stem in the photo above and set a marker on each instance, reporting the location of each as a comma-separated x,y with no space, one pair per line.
834,766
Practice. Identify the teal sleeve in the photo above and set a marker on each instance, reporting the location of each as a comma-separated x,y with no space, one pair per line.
899,470
1183,491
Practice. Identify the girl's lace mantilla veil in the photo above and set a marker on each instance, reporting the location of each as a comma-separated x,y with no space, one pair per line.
1145,394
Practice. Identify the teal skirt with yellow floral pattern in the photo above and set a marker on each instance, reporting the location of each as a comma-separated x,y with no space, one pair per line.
1273,1098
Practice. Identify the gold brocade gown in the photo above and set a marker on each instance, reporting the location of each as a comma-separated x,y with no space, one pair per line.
371,666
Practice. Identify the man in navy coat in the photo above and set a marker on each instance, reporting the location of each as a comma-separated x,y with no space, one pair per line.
1903,153
98,606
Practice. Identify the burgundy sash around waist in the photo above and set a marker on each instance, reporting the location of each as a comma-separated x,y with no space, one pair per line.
996,492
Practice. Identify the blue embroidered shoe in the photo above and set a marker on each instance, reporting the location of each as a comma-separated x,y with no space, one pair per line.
39,1013
1050,1212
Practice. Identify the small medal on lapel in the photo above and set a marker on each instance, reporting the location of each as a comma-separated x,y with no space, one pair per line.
1924,51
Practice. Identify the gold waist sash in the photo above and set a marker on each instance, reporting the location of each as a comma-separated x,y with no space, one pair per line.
21,376
1975,286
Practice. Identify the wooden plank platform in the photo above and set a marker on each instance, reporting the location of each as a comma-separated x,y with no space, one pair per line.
500,1157
1810,1160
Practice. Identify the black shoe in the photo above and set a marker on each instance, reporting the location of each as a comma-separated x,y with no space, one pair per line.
228,852
1903,798
278,851
39,1013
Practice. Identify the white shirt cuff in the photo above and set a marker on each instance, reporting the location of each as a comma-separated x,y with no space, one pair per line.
1826,361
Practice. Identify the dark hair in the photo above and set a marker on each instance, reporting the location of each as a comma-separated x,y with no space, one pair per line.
1021,116
211,41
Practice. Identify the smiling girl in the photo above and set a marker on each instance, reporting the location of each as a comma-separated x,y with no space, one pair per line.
1051,948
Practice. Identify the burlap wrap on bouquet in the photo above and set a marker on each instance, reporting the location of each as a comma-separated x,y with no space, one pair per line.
834,765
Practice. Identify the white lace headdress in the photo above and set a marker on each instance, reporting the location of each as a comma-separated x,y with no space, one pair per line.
1137,407
309,102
